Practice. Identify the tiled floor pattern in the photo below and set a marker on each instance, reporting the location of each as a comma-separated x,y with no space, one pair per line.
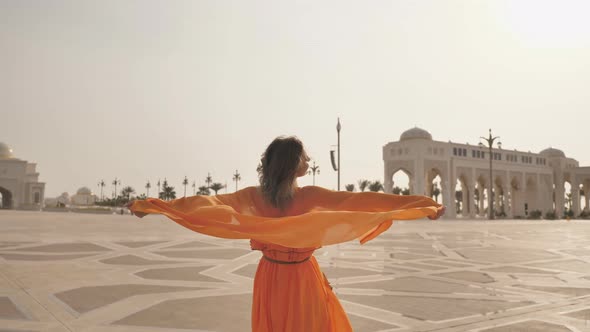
67,272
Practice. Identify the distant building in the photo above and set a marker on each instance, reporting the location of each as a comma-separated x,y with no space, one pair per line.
83,196
19,182
523,181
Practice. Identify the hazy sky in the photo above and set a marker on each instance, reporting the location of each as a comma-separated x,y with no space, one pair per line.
142,90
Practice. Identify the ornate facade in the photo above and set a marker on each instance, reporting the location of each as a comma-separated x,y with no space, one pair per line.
19,182
522,181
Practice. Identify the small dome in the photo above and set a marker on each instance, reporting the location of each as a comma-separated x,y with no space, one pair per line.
551,152
415,133
84,191
5,151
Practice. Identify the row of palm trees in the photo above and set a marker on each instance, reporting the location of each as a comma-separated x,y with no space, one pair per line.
375,186
165,190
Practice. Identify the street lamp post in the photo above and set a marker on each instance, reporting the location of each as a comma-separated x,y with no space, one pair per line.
313,170
490,141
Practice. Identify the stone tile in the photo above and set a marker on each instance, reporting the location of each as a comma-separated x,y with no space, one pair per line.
516,270
135,260
368,325
247,271
569,291
191,273
445,263
342,272
205,254
25,257
433,309
65,248
9,310
406,256
578,252
85,299
138,244
580,314
419,285
423,266
567,265
192,244
529,326
204,313
471,276
505,255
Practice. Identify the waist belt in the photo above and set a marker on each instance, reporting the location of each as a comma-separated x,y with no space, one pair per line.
285,262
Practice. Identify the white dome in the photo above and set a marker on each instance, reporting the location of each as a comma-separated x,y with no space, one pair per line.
84,191
551,152
415,133
5,151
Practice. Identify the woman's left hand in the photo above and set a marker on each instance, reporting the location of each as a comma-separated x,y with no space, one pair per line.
439,213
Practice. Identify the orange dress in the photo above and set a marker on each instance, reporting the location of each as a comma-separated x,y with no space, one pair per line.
290,291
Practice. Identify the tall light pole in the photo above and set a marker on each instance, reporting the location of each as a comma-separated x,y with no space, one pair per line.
148,185
338,127
159,184
490,140
313,170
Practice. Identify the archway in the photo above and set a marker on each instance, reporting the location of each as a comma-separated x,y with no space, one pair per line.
568,200
6,202
462,196
402,182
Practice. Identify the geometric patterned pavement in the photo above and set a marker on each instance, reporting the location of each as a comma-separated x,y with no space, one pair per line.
77,272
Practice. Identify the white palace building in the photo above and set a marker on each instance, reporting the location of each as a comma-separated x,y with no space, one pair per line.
19,182
524,181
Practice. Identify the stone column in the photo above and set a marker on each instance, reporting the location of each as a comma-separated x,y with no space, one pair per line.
419,177
388,181
559,194
575,196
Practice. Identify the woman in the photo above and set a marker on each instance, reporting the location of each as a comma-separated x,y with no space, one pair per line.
287,224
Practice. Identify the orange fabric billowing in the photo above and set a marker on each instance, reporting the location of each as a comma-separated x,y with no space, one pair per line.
293,297
315,218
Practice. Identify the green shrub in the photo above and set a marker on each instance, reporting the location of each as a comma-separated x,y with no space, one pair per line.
535,214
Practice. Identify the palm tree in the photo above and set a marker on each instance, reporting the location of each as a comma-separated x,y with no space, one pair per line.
194,185
375,186
204,190
216,187
168,192
349,187
101,184
126,192
184,183
237,178
363,184
397,190
148,185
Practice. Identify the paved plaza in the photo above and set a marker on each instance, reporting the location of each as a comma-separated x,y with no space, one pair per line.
98,273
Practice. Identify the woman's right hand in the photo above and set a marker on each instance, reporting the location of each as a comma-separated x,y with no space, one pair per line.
135,213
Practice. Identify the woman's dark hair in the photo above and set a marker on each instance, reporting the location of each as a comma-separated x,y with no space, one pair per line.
278,170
